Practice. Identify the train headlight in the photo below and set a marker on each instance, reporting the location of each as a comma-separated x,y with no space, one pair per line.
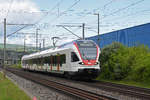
81,63
96,63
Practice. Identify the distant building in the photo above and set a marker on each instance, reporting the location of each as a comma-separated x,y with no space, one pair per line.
130,36
12,57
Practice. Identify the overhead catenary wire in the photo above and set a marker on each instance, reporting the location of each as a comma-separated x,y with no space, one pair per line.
54,8
105,5
77,1
34,23
23,26
48,12
131,14
116,12
121,9
40,18
62,13
17,30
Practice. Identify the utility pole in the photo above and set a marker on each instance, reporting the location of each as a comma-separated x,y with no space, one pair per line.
4,42
37,39
4,61
40,46
98,28
43,44
83,25
24,45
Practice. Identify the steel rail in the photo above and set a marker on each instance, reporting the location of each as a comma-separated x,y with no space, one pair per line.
133,91
122,86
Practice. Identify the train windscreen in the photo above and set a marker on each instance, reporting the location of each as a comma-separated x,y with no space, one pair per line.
87,49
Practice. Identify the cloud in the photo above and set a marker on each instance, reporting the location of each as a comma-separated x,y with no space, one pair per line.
21,11
18,12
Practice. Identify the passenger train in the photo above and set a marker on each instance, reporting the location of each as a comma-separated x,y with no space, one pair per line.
78,58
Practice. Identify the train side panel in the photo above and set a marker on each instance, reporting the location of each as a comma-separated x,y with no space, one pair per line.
80,59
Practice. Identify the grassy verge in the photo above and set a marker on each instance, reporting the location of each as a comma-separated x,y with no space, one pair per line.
130,83
9,91
16,66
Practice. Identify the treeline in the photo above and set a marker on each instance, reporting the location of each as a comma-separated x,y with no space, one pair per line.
119,62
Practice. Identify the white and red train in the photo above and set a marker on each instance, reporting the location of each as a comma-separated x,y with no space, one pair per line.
77,58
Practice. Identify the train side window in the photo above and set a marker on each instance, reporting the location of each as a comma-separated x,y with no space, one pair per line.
62,59
51,59
45,60
42,61
38,61
55,60
74,57
30,61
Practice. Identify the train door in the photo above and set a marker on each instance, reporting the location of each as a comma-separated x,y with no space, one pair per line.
67,65
58,62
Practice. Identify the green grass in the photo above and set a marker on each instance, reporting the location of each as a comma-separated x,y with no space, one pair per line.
130,83
16,66
9,91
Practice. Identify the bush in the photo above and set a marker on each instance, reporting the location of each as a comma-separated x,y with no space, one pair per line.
119,62
110,66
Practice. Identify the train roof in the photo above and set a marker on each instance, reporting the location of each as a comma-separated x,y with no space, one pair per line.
42,53
48,51
70,43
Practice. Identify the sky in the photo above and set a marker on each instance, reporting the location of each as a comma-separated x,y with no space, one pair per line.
48,15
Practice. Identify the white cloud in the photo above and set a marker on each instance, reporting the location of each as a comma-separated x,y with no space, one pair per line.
18,12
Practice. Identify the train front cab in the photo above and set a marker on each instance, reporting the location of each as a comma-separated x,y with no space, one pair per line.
84,59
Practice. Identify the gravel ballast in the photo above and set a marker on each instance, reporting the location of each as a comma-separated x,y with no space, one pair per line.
37,90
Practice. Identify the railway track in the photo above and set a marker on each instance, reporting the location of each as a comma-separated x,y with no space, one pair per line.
79,93
132,91
142,93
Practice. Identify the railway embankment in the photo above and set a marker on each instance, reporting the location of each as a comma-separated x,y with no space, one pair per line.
35,90
10,91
